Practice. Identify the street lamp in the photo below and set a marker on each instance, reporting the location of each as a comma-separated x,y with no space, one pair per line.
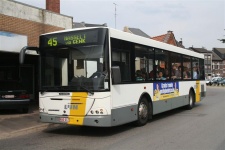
115,13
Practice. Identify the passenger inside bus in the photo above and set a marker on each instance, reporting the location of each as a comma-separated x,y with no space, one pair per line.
179,73
166,74
176,72
195,74
160,76
186,73
140,76
152,73
99,73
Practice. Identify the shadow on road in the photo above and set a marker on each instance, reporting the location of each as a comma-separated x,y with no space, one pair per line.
107,131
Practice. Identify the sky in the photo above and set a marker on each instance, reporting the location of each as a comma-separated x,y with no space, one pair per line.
199,23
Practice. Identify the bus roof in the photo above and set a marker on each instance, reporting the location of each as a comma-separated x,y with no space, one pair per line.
152,43
118,34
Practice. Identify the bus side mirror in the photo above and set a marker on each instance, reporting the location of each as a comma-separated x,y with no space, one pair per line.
23,50
116,76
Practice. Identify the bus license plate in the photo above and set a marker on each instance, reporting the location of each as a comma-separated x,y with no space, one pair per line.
65,120
9,96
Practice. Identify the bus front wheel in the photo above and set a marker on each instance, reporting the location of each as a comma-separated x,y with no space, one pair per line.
143,112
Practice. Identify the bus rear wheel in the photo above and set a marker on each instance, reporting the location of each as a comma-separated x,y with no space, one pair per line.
143,112
191,103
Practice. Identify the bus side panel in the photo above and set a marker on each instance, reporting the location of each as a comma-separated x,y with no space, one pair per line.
203,89
168,104
124,114
199,88
179,101
161,106
186,86
125,98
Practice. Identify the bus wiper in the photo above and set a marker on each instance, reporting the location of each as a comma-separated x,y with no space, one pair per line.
91,92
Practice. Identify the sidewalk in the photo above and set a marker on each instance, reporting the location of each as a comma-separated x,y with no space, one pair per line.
14,123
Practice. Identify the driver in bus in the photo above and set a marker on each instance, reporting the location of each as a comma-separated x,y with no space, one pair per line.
99,73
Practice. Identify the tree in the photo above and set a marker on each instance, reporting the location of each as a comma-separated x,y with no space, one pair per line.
222,40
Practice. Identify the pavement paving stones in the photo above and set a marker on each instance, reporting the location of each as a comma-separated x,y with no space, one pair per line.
13,122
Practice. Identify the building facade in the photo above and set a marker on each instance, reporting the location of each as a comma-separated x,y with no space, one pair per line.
27,22
168,38
219,62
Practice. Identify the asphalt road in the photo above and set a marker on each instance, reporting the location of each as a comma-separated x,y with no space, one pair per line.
202,128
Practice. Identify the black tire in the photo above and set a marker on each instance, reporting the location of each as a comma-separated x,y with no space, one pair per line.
143,112
191,103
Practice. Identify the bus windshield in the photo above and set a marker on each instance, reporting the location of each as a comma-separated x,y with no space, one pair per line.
74,61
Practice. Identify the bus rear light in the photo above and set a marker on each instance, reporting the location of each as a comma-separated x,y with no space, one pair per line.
24,96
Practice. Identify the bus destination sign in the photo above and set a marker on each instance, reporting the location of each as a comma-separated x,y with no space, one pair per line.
71,38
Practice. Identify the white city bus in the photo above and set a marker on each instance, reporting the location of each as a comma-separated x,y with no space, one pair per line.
104,77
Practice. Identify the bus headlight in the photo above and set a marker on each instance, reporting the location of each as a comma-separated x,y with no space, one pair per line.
98,111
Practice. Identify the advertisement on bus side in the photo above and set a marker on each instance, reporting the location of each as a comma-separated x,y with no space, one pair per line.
165,90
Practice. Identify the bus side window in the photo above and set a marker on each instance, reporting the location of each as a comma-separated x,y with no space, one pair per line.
186,73
187,67
140,76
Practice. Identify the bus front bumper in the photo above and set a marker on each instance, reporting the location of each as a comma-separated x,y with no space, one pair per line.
97,121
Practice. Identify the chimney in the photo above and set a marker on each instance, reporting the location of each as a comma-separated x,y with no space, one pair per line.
181,42
169,32
53,5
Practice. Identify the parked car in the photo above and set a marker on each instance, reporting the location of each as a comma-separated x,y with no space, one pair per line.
215,80
207,81
12,91
222,82
14,99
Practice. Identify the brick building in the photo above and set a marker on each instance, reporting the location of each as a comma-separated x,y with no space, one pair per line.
27,21
168,38
218,64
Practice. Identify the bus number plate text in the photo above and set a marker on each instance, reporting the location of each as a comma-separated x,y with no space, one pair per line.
65,120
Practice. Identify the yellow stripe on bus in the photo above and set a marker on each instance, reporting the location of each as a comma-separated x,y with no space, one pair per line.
198,91
77,109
